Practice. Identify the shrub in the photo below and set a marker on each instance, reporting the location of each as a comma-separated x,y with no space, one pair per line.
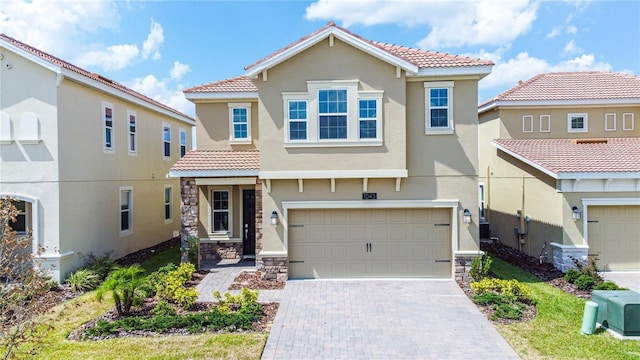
156,278
571,275
245,302
608,285
480,267
585,282
509,311
127,286
512,288
194,244
589,268
101,265
186,297
83,280
163,308
185,271
488,298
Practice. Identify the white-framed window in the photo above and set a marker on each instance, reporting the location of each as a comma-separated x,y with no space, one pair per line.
183,142
527,123
577,122
108,144
481,201
545,123
628,122
610,122
126,210
438,107
133,132
168,204
333,113
22,224
240,123
166,140
220,211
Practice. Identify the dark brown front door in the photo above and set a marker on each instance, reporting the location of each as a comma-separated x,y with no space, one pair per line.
249,222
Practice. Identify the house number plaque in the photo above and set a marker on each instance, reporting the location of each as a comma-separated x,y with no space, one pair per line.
369,196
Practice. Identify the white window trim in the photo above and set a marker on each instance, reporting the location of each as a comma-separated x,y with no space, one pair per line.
228,233
548,123
121,189
626,116
164,203
353,120
186,139
131,113
166,126
105,149
232,139
428,130
527,120
586,122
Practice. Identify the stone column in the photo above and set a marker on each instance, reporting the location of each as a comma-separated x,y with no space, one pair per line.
189,215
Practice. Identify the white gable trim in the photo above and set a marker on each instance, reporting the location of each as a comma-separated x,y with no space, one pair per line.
480,70
221,95
546,103
525,160
340,34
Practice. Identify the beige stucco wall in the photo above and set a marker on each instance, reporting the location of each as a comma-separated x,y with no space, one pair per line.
212,127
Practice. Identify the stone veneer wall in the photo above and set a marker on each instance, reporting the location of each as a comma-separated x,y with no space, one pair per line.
563,256
188,214
272,268
462,267
219,251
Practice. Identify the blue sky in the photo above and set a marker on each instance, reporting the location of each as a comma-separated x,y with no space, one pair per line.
161,47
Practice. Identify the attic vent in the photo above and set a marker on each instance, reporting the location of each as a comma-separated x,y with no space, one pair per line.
590,141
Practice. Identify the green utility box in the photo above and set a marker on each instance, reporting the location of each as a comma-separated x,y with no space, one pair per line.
619,310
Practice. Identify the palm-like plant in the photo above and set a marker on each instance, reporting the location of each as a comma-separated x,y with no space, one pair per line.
127,286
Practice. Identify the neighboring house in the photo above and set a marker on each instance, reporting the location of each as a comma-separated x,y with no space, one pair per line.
338,157
87,158
560,168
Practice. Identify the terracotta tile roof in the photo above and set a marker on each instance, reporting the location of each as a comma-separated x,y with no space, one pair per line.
205,160
418,57
99,78
236,84
578,155
590,85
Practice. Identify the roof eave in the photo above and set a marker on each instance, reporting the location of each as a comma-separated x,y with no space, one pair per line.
583,102
212,173
476,70
410,68
220,95
600,175
31,57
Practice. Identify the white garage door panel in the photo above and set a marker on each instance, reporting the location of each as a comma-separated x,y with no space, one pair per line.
404,243
614,235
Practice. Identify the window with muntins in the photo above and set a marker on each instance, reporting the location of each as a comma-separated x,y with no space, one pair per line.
167,203
183,142
220,211
166,140
297,120
133,136
107,127
368,115
126,202
332,114
22,224
240,123
577,123
439,107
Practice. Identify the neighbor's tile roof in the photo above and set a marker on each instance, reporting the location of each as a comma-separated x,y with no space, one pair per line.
97,77
205,160
588,85
236,84
418,57
578,155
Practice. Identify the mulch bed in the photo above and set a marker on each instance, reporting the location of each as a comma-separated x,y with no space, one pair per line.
254,281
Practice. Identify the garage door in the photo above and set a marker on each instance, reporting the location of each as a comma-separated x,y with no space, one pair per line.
614,235
350,243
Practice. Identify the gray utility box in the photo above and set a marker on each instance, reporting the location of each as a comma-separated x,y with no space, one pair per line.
618,310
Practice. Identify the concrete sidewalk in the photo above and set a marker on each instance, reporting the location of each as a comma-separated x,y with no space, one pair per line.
627,279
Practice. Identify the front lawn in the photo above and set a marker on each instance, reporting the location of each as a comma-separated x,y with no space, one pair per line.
70,315
555,331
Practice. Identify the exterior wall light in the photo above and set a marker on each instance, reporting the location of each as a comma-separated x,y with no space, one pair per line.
466,216
274,218
576,213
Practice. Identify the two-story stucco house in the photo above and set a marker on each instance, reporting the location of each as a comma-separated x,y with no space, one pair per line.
87,158
560,168
338,157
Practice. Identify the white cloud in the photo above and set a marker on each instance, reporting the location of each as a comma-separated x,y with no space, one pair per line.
151,46
115,57
162,91
554,32
452,23
179,70
571,48
572,29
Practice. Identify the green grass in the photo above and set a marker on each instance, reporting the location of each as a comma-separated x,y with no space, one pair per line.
555,332
68,316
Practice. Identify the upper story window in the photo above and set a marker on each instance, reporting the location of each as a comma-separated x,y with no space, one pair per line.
577,122
439,107
107,128
333,113
240,123
166,140
297,119
133,133
183,142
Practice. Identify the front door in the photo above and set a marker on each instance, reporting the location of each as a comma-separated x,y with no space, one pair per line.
249,222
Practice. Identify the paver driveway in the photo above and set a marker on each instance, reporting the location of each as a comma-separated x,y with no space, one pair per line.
381,319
